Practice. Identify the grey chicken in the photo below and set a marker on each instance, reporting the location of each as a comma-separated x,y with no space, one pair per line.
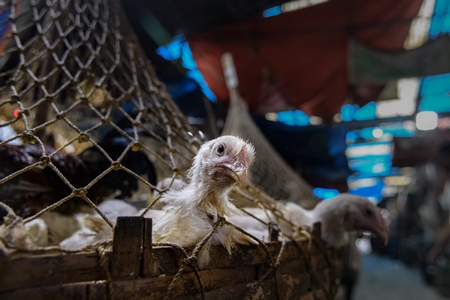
338,216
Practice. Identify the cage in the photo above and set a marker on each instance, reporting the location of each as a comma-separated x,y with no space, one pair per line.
86,119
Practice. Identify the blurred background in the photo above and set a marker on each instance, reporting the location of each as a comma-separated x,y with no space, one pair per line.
353,94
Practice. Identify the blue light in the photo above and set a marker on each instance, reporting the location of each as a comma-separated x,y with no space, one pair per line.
187,58
440,23
374,191
397,130
367,112
347,112
435,85
352,136
437,104
435,93
325,193
366,133
179,49
301,119
172,51
286,117
293,118
273,11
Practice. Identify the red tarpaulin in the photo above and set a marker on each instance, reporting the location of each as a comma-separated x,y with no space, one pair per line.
300,59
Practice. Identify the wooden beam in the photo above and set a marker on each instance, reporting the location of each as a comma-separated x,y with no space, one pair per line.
149,266
127,248
50,269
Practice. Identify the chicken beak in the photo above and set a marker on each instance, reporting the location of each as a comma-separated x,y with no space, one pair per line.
236,171
241,164
379,230
382,234
237,167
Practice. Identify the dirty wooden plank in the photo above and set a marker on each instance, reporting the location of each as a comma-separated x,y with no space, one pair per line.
231,292
186,284
127,247
79,291
26,271
261,290
319,262
307,296
293,278
50,269
292,267
168,258
292,286
149,265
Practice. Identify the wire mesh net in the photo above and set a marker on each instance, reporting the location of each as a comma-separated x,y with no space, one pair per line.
84,119
73,88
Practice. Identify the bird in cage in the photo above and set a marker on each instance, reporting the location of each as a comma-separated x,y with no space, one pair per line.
338,216
35,184
192,212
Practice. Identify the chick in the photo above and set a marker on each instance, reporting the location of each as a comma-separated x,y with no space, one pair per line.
193,211
338,217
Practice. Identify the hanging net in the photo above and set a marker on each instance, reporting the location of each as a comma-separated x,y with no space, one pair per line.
83,119
270,172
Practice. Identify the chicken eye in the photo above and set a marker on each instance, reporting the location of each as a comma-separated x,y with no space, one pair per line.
220,149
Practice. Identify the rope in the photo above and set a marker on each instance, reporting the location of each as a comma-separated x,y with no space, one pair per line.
101,252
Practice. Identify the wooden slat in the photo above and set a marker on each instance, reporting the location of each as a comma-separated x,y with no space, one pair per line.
261,290
127,247
252,254
79,291
50,269
231,292
149,266
186,284
254,290
26,271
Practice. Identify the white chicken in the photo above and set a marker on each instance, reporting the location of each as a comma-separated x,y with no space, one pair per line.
338,216
166,184
192,212
93,228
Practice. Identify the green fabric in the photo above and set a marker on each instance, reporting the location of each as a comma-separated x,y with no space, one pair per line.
372,66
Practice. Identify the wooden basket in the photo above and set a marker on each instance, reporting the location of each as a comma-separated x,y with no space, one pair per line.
133,269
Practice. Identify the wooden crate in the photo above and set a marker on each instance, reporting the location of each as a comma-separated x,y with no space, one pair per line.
133,269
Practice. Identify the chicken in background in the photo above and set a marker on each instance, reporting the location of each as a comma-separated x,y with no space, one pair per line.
93,228
40,186
192,212
338,217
